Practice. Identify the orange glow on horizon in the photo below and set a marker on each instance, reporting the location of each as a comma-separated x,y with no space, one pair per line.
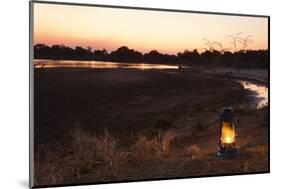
142,30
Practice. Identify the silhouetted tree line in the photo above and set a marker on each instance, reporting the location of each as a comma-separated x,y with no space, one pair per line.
242,58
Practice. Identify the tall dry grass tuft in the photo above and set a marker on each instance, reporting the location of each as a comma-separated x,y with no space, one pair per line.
147,148
93,151
46,169
85,157
192,151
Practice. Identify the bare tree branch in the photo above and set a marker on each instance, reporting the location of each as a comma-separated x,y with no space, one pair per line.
234,39
222,49
245,41
209,44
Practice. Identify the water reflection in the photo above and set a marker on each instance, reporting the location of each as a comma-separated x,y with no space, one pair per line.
98,64
259,93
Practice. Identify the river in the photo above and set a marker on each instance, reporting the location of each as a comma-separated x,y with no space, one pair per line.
258,94
98,64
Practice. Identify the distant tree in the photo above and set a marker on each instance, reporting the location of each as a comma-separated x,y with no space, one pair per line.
234,39
190,57
246,41
101,55
210,45
89,49
221,57
153,56
222,49
85,53
124,54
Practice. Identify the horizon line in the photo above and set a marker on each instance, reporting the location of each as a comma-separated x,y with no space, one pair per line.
136,50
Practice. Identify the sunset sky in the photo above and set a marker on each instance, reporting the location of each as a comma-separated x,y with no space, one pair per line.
143,30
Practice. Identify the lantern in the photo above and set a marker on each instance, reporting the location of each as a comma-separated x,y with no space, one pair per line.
227,134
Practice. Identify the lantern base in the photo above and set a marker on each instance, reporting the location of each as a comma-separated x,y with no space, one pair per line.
227,152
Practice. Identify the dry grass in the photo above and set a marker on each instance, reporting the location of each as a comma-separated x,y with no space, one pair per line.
85,156
90,157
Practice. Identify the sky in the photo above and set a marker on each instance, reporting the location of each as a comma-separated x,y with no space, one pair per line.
142,30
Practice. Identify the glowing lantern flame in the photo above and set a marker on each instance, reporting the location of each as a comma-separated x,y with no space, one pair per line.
227,133
227,147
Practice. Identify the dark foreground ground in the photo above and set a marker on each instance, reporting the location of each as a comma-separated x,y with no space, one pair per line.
98,125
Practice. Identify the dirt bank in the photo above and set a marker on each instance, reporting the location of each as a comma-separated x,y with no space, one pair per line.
161,123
